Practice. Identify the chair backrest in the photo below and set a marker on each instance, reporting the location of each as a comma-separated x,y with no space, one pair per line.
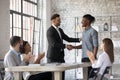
2,71
106,71
94,73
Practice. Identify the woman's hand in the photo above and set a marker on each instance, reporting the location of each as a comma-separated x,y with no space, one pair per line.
80,39
91,56
40,56
28,57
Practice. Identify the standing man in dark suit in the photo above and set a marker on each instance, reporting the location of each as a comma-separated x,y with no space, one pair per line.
55,37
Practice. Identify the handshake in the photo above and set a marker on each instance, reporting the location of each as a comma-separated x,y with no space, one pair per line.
69,47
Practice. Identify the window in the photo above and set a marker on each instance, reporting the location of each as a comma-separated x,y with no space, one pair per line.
24,21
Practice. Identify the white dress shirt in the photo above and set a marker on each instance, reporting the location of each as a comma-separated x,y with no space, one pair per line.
102,62
57,29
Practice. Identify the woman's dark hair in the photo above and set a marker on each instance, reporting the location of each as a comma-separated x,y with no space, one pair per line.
109,48
14,40
22,47
90,18
54,16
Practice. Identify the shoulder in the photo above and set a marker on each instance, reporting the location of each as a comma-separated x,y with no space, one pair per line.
93,31
103,55
9,54
51,28
51,31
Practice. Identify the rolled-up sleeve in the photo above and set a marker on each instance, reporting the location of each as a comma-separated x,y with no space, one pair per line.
95,38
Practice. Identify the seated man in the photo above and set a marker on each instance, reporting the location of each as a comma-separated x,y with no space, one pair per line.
12,58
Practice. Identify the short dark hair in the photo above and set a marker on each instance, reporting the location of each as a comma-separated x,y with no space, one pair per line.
90,18
22,47
54,16
14,40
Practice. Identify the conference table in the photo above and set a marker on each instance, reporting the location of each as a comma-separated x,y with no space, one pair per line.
56,68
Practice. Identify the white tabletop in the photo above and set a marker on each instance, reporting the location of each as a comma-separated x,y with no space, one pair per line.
57,68
48,67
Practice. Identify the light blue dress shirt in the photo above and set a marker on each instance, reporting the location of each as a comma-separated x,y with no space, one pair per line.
12,58
89,41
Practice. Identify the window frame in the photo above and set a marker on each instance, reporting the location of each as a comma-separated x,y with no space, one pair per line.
12,12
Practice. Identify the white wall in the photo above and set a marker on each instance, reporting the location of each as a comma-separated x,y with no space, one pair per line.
4,27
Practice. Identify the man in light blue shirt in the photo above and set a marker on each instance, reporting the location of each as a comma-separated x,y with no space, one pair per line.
89,39
12,57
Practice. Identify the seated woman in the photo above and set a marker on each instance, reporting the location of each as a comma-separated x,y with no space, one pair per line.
26,49
106,58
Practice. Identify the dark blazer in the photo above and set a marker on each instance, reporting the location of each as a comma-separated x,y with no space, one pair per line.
55,43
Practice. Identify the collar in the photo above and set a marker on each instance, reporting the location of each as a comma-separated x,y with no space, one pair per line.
88,28
104,52
15,52
55,26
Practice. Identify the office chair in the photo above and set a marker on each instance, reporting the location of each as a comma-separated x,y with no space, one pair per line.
2,73
94,73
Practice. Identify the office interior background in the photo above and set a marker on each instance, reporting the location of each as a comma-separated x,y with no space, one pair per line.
30,19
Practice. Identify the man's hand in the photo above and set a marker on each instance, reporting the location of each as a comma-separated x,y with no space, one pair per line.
69,47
